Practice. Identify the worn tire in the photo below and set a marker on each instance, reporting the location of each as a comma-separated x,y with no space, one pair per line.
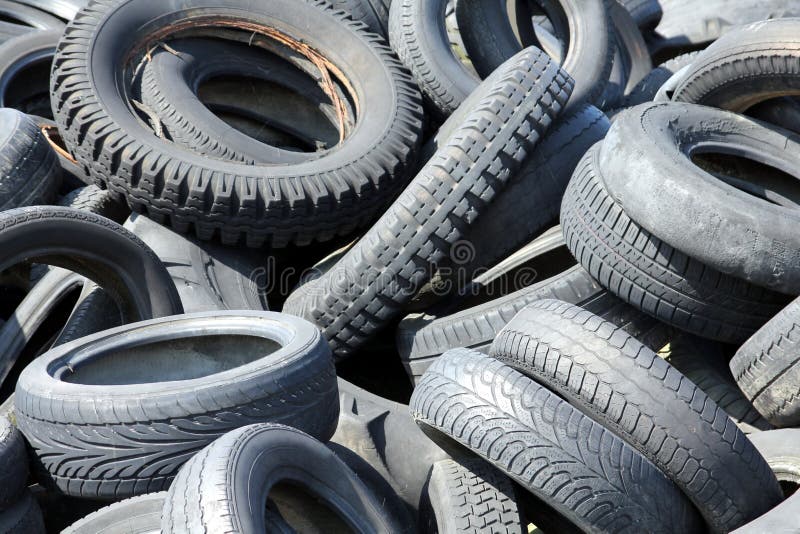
627,388
649,171
25,71
646,13
646,89
584,24
95,200
256,205
29,171
137,515
514,108
469,496
373,13
23,517
744,67
13,464
63,9
132,439
647,273
19,13
229,482
564,458
767,366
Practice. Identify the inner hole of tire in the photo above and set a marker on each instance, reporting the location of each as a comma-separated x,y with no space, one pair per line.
536,26
28,89
752,177
303,511
177,359
264,115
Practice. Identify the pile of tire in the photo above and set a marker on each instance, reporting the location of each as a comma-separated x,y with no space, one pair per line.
450,266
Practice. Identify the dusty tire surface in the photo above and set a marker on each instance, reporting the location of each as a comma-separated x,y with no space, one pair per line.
132,439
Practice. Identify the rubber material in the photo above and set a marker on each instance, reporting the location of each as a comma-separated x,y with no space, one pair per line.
649,171
255,205
646,89
25,69
19,13
95,200
29,172
373,13
584,24
177,394
766,368
469,496
24,517
64,9
626,387
224,488
137,515
514,107
13,464
646,13
96,248
564,458
647,273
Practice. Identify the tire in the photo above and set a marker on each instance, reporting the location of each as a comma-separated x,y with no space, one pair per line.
9,30
14,465
24,517
627,388
703,363
19,13
95,311
29,172
585,24
257,205
177,81
373,13
208,276
575,465
646,89
515,106
469,496
95,200
670,195
766,368
383,434
133,438
650,275
96,248
646,13
137,515
25,71
63,9
231,479
73,175
421,338
783,112
744,67
631,46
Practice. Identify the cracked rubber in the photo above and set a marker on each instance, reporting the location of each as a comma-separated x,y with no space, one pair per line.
224,488
29,170
653,277
469,496
137,515
572,463
255,205
112,442
385,268
767,368
626,387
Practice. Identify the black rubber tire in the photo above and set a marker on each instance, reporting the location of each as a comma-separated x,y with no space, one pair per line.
767,366
421,338
63,9
173,89
531,201
382,433
29,171
575,465
698,212
631,53
373,13
653,277
215,489
13,464
137,515
627,388
23,517
95,311
96,248
207,276
19,13
687,23
704,363
513,108
95,200
646,13
132,439
469,496
584,24
646,89
25,71
783,112
745,66
9,30
257,205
